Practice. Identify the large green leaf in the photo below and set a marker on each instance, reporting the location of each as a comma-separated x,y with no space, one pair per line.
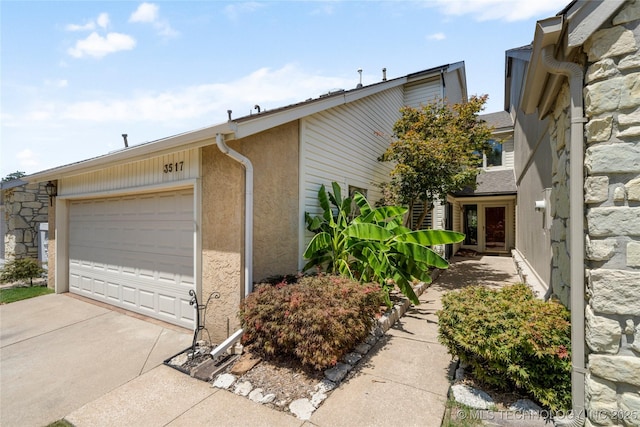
320,242
368,232
323,199
431,237
421,253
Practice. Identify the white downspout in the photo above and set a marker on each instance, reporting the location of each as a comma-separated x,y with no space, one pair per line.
248,234
248,210
576,229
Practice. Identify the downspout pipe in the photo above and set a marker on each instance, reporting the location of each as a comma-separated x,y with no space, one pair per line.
248,210
576,231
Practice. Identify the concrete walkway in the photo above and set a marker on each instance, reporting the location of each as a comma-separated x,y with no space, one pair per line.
404,380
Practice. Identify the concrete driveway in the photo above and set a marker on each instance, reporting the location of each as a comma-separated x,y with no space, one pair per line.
58,353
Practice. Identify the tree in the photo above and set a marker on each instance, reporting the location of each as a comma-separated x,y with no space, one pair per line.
13,175
436,149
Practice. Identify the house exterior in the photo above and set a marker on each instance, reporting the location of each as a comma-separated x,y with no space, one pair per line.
486,214
211,210
577,137
23,221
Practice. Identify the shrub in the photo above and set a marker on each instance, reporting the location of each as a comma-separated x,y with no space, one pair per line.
317,320
21,269
509,338
374,246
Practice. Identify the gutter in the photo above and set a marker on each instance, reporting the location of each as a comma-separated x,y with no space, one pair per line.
576,232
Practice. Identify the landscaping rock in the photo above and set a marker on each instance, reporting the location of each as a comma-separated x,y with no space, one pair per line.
268,398
338,372
243,388
352,358
317,398
246,362
179,360
256,395
471,397
525,406
325,386
224,381
362,348
302,409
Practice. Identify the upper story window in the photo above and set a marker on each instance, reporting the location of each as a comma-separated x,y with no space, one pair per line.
494,156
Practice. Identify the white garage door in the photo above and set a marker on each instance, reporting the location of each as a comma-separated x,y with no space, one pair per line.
135,252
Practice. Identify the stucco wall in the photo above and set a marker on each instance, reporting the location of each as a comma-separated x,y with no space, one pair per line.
612,198
222,187
274,155
275,158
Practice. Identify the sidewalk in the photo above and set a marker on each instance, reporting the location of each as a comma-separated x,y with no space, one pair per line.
404,380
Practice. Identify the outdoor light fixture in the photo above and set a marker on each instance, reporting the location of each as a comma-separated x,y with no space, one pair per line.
51,190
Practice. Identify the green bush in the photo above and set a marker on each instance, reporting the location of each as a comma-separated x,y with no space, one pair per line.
20,269
511,339
317,320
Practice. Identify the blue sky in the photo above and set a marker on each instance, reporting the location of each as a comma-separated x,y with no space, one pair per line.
77,75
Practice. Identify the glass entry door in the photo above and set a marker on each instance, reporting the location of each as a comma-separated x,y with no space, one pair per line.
495,228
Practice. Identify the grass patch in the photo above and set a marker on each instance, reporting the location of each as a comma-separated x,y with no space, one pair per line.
17,294
457,415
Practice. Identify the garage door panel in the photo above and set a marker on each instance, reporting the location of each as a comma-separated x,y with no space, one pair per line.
135,252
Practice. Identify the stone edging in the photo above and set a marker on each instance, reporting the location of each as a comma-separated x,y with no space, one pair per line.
304,408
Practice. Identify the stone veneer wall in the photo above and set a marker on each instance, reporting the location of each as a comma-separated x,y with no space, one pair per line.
612,201
26,207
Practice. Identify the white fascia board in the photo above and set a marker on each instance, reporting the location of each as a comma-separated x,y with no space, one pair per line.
547,32
193,139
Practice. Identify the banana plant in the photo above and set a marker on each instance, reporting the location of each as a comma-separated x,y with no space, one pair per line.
373,246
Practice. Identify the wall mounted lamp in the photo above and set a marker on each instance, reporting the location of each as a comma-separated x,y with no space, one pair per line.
52,191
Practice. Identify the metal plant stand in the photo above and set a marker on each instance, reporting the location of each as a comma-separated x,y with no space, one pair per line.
201,310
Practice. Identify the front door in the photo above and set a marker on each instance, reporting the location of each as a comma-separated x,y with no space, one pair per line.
495,228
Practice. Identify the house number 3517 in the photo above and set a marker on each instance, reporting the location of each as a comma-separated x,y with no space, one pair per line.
173,167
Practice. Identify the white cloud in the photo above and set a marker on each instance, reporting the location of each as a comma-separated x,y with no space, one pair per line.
504,10
102,22
436,36
149,13
234,10
98,46
266,87
60,83
146,12
27,158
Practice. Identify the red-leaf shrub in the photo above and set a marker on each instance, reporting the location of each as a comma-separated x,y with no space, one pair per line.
317,320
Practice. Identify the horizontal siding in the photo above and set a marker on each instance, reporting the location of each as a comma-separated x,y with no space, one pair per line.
135,174
507,153
422,93
343,144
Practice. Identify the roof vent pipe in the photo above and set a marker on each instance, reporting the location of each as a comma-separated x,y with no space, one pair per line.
124,136
384,74
360,83
257,107
229,114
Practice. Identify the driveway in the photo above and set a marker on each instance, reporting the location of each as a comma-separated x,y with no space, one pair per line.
58,353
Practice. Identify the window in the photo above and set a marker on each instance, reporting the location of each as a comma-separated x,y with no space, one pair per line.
493,157
471,224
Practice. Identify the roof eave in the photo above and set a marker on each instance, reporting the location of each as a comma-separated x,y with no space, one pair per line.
193,139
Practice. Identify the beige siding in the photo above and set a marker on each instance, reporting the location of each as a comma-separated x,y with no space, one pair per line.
507,153
422,93
148,172
343,145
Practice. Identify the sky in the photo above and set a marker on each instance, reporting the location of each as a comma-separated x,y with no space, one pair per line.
77,75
